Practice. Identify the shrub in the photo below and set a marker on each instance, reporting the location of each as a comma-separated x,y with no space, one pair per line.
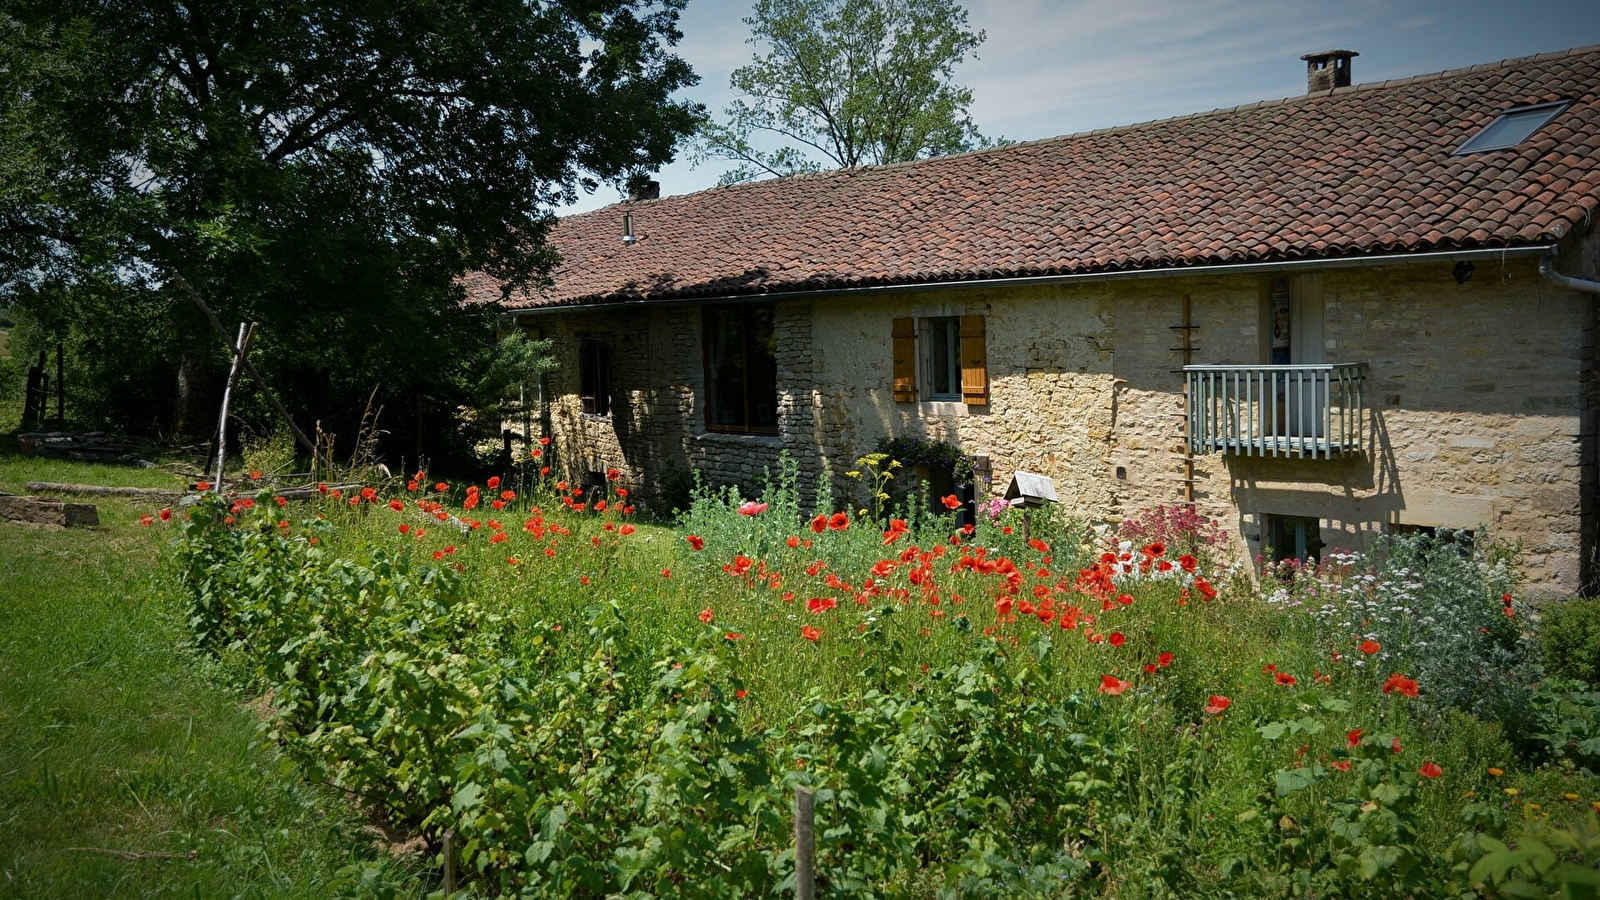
1446,618
1570,635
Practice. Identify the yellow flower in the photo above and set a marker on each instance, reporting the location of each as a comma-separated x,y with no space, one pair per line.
1533,806
861,512
1572,797
1512,792
1496,772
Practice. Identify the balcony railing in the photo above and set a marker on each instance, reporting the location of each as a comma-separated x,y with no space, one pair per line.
1314,411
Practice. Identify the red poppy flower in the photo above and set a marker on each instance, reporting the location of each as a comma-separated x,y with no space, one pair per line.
165,515
696,542
397,506
1284,678
1370,647
499,537
441,487
793,542
1039,545
1216,703
706,615
1111,684
1207,592
438,554
206,486
951,501
1149,668
734,636
839,521
1353,737
1164,660
1396,746
147,520
404,528
626,529
1342,765
819,524
819,605
740,693
613,474
544,471
752,508
809,633
544,442
666,573
1397,682
1188,563
1118,639
493,482
1430,769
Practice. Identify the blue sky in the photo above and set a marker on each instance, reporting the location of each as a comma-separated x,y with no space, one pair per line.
1051,67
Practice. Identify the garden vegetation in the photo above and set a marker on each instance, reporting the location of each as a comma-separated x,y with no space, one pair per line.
599,707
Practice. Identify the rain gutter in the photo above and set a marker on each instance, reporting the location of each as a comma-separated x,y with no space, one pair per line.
1545,251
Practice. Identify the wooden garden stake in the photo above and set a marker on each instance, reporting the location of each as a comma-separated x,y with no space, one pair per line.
449,864
805,844
246,335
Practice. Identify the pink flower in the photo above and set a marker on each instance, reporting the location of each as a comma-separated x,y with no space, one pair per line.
752,508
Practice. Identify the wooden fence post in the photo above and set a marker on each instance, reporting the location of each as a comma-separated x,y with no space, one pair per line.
805,843
449,864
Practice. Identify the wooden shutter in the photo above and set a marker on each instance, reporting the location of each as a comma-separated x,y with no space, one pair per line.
905,361
974,362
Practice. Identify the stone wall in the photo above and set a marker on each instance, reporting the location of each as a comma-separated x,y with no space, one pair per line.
1478,396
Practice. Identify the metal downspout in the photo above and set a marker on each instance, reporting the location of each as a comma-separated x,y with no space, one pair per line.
1547,268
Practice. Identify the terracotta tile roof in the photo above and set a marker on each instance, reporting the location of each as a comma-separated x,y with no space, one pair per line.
1351,171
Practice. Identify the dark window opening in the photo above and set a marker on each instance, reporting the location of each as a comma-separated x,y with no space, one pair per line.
594,377
1512,127
1433,538
944,358
741,363
1294,537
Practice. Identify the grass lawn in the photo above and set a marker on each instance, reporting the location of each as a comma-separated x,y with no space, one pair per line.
115,739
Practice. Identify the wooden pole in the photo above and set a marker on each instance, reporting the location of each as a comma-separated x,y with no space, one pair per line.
246,334
216,325
61,390
449,864
805,843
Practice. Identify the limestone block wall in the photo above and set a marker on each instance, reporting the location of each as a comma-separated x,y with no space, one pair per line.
1478,397
1051,403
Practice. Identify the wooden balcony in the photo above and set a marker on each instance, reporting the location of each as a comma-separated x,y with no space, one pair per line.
1311,411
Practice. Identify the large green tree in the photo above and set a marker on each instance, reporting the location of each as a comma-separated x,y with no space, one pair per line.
328,168
845,83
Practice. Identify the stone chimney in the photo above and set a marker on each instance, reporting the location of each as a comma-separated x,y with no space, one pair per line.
1328,70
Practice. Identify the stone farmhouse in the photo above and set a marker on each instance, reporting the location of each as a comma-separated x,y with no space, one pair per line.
1364,309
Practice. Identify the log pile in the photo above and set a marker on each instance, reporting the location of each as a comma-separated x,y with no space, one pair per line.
87,446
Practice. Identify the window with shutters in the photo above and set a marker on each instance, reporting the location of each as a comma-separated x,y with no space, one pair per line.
594,377
741,369
940,358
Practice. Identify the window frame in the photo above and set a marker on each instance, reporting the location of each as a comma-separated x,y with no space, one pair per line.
594,371
708,318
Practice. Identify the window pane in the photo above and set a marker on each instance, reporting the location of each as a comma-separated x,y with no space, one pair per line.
1512,128
762,359
944,381
725,366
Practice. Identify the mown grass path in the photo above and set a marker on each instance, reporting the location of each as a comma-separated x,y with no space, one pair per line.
116,740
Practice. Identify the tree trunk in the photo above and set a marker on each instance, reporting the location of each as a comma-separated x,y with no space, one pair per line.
192,410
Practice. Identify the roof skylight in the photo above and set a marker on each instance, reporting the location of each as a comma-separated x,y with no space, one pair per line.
1512,127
